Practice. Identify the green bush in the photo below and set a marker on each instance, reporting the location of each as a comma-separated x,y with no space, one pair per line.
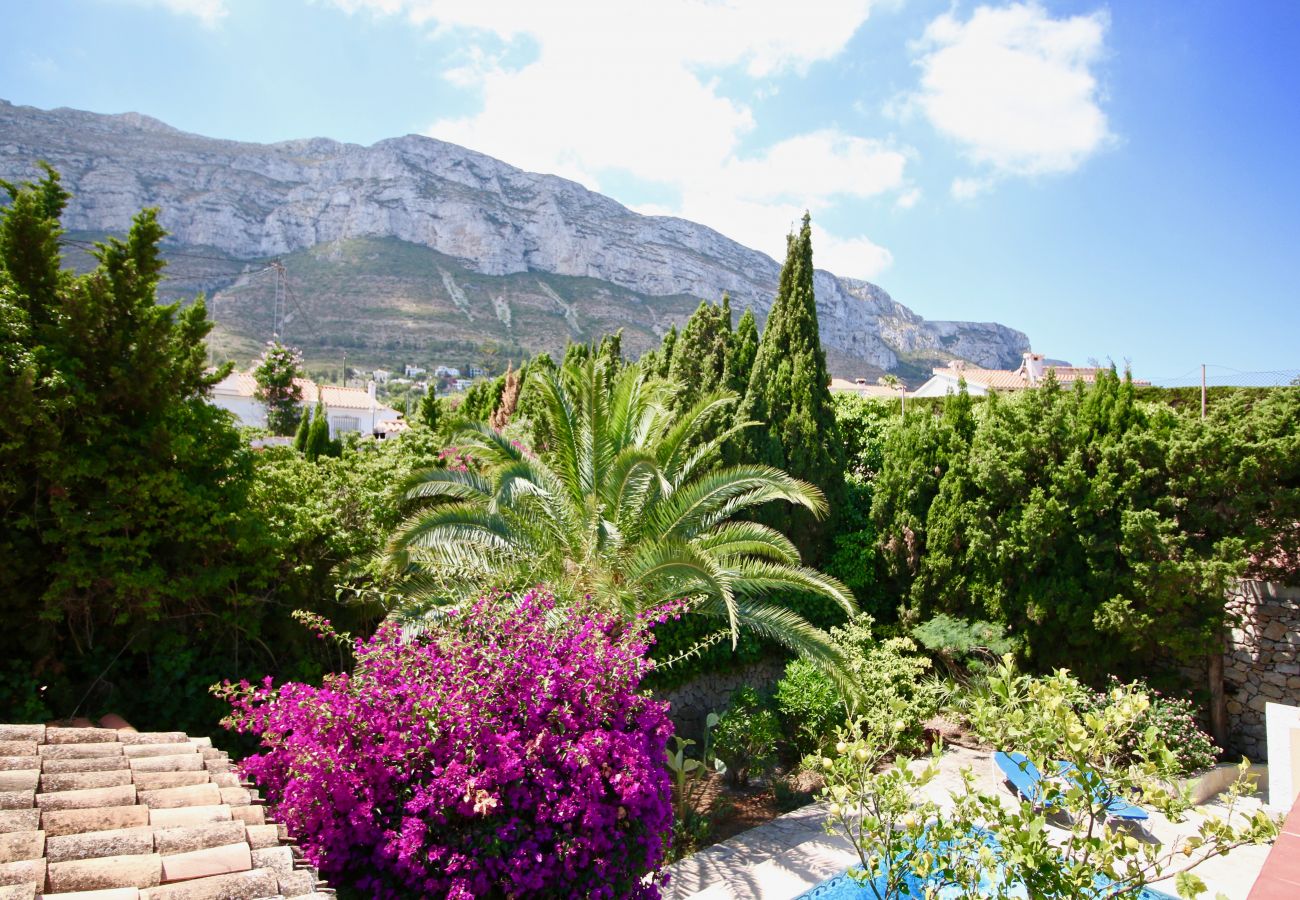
809,706
893,685
746,737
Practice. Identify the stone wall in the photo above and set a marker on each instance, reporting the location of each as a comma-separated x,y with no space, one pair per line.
1260,662
707,693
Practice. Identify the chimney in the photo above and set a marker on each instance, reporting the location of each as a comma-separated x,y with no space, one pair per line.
1033,367
370,389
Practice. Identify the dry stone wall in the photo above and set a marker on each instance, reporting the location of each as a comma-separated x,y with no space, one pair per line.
695,699
1261,662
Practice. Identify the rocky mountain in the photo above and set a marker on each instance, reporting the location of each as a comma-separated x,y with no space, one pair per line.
413,244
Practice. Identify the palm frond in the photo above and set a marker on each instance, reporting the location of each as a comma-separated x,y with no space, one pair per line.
736,539
446,483
687,510
795,633
674,448
758,577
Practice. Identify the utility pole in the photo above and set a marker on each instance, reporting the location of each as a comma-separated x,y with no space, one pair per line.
345,368
1202,391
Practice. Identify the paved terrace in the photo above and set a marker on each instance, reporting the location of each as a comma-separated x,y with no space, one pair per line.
787,856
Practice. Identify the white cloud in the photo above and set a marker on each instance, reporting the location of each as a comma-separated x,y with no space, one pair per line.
209,12
970,188
1016,87
624,87
908,198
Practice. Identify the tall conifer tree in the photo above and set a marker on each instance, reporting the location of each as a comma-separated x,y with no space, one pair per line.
744,349
789,392
701,360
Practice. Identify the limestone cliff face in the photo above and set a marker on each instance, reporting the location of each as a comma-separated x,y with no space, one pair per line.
254,201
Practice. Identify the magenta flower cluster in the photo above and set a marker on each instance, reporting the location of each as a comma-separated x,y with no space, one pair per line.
505,753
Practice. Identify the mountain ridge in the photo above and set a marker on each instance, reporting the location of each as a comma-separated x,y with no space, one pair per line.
256,202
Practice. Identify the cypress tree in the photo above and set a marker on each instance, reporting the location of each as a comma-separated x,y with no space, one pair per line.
744,348
665,361
318,438
789,391
701,360
304,429
611,349
430,409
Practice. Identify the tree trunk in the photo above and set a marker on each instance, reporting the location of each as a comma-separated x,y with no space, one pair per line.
1218,703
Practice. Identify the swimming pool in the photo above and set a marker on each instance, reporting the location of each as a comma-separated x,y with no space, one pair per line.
842,887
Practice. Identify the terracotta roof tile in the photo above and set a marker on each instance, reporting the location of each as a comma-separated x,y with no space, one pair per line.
102,814
19,779
16,846
80,736
22,733
80,821
19,820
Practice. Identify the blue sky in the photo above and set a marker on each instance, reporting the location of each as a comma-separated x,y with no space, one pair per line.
1119,181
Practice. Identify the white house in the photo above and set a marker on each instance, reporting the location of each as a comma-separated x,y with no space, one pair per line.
346,409
476,372
446,372
413,371
381,376
464,384
979,382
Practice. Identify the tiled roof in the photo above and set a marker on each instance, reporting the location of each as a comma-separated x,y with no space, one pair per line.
243,384
115,814
1016,379
866,390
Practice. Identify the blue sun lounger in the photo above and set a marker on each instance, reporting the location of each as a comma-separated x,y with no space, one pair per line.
1028,782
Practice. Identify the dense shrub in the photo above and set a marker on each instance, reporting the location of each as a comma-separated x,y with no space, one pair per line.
495,756
746,737
893,687
809,706
1102,530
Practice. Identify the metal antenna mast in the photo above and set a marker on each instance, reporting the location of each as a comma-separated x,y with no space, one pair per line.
281,297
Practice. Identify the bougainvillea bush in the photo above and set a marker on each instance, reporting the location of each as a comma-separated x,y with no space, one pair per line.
503,753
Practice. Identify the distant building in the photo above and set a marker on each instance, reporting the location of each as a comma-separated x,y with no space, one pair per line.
862,388
381,376
414,371
979,382
477,371
463,384
346,409
446,372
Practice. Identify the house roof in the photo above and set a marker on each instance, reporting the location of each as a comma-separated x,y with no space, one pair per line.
135,816
1018,379
243,384
866,390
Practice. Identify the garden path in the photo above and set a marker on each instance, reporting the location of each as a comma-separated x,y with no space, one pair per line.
787,856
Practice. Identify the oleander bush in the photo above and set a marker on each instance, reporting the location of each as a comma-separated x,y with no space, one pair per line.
504,752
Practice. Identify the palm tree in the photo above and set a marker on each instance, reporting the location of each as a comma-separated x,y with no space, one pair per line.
627,509
894,383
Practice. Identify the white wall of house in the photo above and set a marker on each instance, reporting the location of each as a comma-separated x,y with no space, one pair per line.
248,412
942,385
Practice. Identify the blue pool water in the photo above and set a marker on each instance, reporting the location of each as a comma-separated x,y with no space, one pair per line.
842,887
